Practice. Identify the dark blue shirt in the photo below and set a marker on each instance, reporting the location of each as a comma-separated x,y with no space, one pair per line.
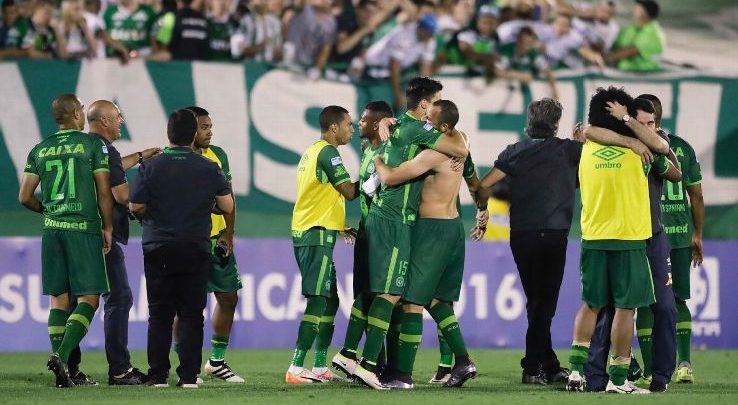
117,178
179,189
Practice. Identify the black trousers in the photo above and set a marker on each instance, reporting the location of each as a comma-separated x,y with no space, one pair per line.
176,284
658,250
118,303
540,256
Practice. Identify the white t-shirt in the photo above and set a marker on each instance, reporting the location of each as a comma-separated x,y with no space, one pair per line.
401,44
95,25
596,33
562,49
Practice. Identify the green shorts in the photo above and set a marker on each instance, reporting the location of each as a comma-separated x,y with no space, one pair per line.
436,261
73,262
389,254
681,265
317,270
624,275
224,275
361,264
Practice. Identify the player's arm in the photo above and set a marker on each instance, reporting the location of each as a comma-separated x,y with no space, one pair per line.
604,136
666,169
426,160
330,163
493,177
135,158
26,195
645,135
697,203
105,205
673,174
450,147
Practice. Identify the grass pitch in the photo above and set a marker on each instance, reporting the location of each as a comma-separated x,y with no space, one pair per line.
24,379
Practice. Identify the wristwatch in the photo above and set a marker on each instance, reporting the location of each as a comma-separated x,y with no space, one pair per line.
626,118
140,157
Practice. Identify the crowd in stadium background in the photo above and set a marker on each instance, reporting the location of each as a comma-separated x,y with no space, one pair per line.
346,40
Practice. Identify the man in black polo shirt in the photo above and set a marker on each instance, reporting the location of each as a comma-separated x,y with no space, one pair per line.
543,178
105,121
174,195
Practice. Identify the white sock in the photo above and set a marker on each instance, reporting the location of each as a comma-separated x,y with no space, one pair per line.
294,370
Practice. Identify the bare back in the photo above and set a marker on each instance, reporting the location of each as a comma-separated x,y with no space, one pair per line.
441,185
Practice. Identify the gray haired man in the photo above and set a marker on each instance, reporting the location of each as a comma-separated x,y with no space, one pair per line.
542,170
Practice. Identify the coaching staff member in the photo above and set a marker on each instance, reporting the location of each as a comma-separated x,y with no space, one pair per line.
174,195
543,176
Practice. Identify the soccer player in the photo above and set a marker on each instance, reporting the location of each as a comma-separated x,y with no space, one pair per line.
685,234
323,185
661,315
224,280
105,121
392,215
437,258
346,360
72,168
615,225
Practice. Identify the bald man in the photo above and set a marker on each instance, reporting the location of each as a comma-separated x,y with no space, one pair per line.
105,123
72,169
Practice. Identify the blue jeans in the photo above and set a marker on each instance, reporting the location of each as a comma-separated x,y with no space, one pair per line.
118,303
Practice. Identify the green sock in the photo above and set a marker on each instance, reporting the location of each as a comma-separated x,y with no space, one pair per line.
445,318
578,354
618,369
644,329
57,325
683,332
308,328
325,332
378,320
410,337
356,325
77,325
219,346
393,338
447,356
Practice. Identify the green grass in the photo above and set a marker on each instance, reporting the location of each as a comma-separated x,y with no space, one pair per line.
23,379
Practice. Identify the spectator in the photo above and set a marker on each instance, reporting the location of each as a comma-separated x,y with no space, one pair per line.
13,29
639,45
47,40
184,33
356,32
565,47
259,36
97,28
221,27
130,22
522,61
79,39
595,23
405,46
476,47
453,15
310,36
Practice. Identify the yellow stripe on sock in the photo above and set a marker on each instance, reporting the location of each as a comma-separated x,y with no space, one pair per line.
57,330
684,325
81,319
327,319
619,360
448,321
411,338
644,332
356,312
376,322
311,319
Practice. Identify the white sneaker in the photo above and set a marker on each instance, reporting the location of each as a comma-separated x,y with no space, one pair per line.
627,388
344,364
199,380
221,370
369,378
576,382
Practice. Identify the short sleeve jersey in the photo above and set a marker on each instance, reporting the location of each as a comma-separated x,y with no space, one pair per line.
400,203
649,40
132,29
366,170
218,155
674,203
219,37
65,164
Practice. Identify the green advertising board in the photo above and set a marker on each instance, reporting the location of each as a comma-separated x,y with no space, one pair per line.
265,118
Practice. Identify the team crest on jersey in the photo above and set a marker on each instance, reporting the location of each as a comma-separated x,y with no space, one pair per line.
370,169
105,148
335,161
428,126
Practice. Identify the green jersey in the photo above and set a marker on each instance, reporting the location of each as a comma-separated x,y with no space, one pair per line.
677,217
366,170
132,29
400,203
533,62
219,37
65,164
19,35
